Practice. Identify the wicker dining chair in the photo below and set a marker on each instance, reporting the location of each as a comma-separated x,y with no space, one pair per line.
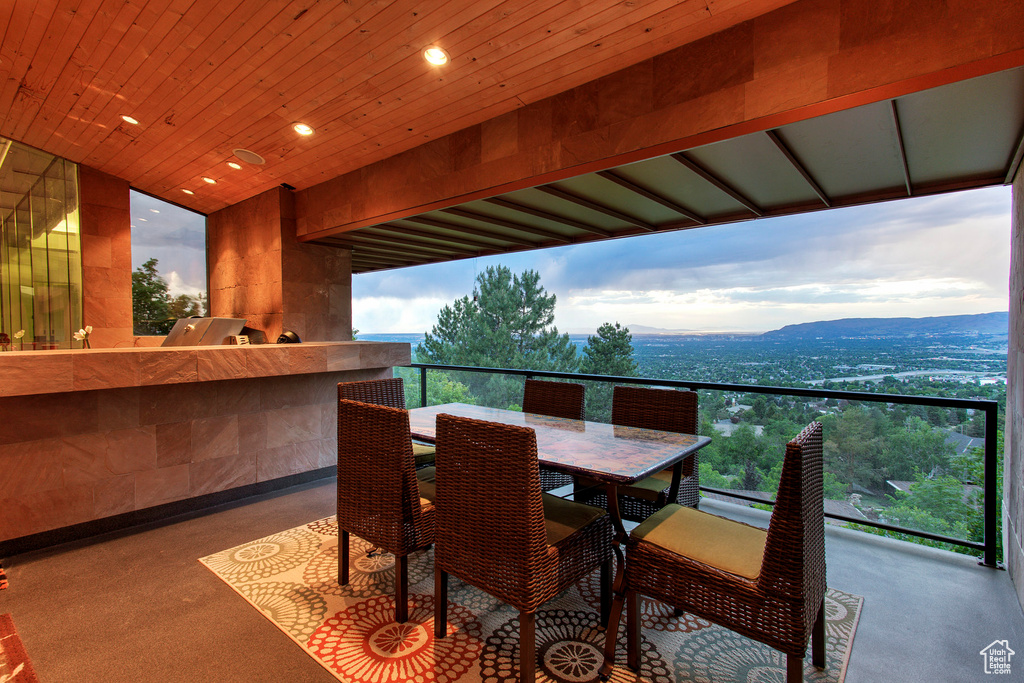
382,498
554,399
768,585
386,392
498,532
667,410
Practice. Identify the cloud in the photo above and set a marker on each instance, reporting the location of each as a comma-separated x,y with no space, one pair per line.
939,255
176,237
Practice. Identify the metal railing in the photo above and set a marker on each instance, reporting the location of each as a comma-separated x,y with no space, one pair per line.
988,548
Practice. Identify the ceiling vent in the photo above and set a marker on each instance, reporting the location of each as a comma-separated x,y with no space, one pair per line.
249,157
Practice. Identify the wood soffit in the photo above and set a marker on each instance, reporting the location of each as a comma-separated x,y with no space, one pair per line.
206,78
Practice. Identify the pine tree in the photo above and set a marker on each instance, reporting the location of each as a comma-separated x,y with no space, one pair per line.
610,352
508,323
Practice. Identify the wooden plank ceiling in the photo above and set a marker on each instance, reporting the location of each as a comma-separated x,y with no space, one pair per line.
963,135
205,78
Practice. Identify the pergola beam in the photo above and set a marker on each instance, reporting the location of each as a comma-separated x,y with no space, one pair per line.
718,182
653,196
800,168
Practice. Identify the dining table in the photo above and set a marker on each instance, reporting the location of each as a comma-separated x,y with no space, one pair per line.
610,454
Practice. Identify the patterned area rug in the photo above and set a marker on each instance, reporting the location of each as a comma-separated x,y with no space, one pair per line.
15,666
292,577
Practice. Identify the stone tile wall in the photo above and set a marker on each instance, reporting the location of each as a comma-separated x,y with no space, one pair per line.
79,456
259,271
106,257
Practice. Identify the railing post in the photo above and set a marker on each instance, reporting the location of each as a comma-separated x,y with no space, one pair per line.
989,509
423,387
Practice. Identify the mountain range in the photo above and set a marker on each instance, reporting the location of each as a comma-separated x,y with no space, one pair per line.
980,324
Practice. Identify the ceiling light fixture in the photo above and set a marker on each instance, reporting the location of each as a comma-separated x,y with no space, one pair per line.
188,191
436,55
209,180
155,210
302,128
235,166
128,119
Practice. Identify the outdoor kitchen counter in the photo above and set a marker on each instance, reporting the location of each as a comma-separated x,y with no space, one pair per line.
115,437
45,372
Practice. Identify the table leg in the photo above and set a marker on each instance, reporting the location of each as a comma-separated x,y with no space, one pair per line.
612,493
612,627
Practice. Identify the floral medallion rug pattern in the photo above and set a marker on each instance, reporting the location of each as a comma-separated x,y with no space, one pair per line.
292,578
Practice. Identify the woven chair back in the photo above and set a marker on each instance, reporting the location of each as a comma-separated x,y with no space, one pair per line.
668,410
382,392
378,498
794,556
556,399
490,515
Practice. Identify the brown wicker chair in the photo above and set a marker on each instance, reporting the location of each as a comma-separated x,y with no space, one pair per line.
497,531
386,392
382,498
664,409
555,399
768,585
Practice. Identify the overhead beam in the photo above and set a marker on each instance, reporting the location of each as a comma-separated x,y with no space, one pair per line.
800,168
594,206
387,250
501,223
538,213
404,244
718,182
444,225
653,196
462,239
902,147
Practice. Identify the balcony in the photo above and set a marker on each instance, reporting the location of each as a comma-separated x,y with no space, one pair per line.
137,606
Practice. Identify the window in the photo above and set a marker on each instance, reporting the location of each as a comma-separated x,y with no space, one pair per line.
168,262
40,249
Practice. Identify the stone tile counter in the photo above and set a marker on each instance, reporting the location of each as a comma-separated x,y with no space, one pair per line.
91,434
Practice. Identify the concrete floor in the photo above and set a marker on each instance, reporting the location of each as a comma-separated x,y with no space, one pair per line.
139,607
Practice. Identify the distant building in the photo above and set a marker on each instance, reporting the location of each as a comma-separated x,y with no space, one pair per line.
963,443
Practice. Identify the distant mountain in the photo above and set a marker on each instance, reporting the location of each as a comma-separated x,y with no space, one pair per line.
981,324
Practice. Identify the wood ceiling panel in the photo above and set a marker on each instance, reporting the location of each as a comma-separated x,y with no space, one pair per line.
206,77
329,64
444,99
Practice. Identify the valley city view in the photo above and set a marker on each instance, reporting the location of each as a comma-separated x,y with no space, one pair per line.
919,309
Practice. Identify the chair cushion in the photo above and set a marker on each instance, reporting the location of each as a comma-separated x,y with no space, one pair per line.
426,482
562,518
730,546
423,453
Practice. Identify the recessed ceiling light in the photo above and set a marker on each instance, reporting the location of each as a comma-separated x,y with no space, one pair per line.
143,220
155,210
436,55
128,119
249,157
188,191
302,128
209,180
234,165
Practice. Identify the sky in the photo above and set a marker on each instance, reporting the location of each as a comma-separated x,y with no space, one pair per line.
176,237
942,255
929,256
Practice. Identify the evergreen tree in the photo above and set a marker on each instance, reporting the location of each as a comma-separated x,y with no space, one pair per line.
609,352
508,323
150,301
